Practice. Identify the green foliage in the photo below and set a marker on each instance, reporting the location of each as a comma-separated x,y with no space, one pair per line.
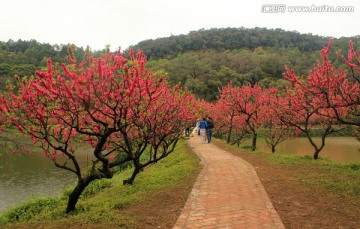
206,60
22,58
5,69
203,72
91,190
355,167
318,132
228,39
308,157
102,199
247,147
29,210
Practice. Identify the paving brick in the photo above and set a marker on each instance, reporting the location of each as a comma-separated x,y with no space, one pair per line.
227,194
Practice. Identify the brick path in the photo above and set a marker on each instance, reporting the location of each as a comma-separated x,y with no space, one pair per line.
227,194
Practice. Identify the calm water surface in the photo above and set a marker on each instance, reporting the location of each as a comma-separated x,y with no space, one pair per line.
23,176
340,149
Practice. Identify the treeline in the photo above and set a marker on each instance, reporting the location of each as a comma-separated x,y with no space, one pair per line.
22,58
202,60
206,60
222,39
203,72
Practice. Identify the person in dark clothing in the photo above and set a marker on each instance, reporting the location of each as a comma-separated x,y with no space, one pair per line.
187,131
209,128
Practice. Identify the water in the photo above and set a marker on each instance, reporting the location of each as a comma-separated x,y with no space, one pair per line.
23,176
340,149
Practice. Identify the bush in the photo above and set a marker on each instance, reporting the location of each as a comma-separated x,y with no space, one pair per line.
248,147
355,167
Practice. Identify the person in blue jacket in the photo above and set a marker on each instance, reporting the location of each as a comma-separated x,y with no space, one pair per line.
202,126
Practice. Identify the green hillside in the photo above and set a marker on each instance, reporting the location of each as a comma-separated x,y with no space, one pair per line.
202,60
235,38
206,60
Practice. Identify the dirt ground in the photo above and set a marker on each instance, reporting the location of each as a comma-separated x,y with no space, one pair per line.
298,206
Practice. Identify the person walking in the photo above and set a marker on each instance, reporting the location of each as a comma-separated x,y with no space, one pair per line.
202,126
209,128
187,131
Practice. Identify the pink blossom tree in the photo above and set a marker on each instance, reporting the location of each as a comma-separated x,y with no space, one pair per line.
113,104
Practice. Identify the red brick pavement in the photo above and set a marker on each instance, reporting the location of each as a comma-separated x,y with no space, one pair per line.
227,194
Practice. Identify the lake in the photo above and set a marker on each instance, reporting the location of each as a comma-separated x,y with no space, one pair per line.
340,149
23,176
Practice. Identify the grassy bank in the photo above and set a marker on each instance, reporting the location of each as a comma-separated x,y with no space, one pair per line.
307,193
155,199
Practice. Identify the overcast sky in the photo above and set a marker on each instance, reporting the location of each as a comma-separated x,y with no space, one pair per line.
121,23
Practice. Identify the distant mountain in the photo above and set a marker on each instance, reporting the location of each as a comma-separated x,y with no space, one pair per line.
203,61
232,39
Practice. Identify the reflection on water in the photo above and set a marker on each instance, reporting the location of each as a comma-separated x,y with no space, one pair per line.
23,176
340,149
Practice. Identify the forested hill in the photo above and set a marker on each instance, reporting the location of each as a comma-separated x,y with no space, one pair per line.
202,60
205,60
23,57
235,38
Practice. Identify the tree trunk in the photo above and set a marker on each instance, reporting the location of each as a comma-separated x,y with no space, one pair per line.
254,142
230,128
316,154
273,149
132,178
80,187
229,135
74,196
328,131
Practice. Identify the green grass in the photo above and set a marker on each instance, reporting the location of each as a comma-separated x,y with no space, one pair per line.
101,199
339,178
343,179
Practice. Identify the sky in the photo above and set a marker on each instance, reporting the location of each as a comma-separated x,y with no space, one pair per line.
121,23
